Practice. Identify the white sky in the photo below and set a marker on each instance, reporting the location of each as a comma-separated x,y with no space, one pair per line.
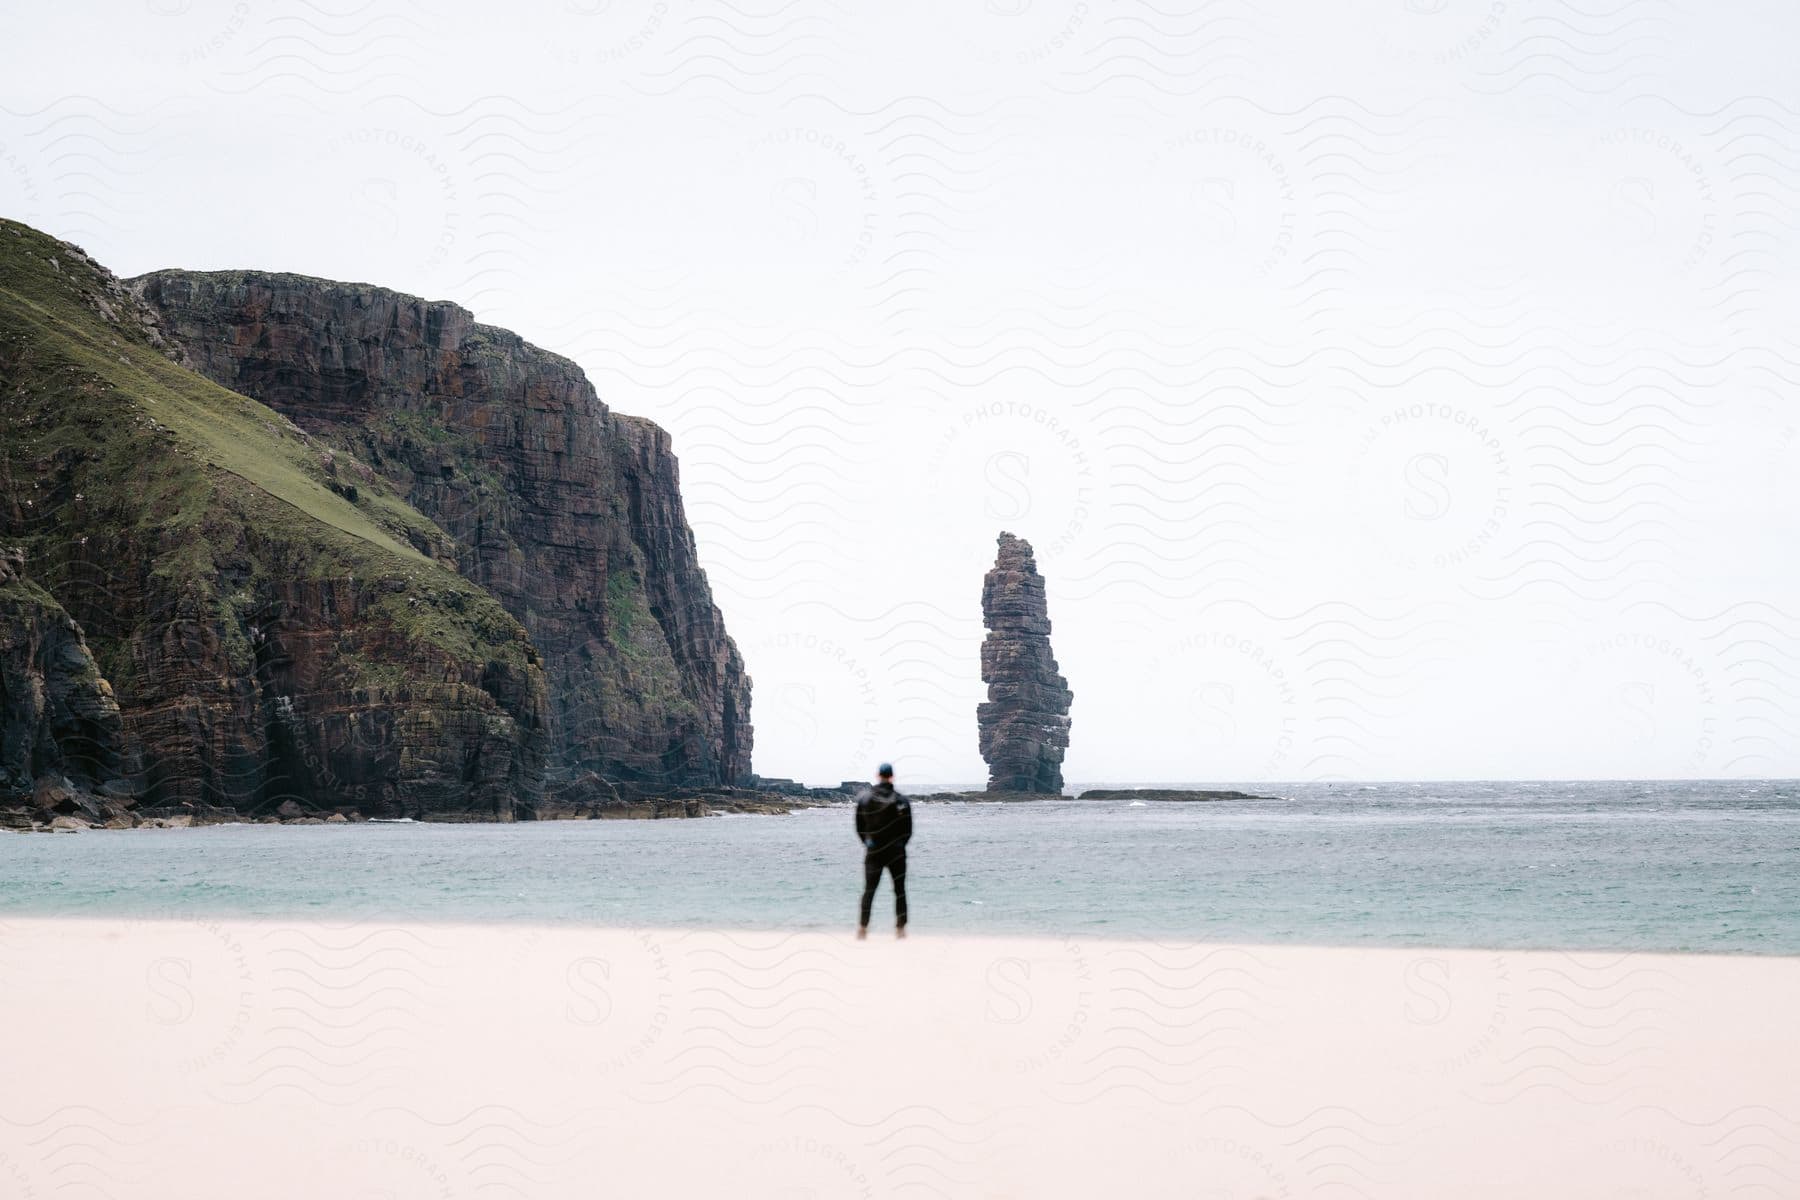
1391,388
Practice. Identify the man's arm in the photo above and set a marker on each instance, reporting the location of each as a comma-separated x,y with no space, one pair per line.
905,821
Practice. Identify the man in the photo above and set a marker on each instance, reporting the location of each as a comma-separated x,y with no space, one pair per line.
884,823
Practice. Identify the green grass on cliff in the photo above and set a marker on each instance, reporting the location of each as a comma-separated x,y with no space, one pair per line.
643,665
78,349
17,595
195,468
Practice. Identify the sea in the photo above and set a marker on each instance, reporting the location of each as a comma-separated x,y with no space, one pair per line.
1663,866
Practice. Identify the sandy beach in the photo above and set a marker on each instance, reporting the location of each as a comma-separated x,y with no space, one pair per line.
194,1058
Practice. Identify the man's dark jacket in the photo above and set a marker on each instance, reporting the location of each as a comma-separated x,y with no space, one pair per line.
884,821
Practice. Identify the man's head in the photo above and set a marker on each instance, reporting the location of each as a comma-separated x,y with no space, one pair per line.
885,773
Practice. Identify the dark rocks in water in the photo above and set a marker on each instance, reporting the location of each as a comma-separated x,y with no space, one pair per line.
1165,794
770,783
568,513
590,800
1147,794
990,797
1024,723
59,808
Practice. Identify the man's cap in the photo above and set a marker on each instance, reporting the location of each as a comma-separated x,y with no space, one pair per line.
885,769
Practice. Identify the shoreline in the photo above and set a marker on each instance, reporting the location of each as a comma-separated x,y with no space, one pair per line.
65,810
221,1056
167,916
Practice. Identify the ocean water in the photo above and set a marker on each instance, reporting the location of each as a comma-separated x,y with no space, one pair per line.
1711,866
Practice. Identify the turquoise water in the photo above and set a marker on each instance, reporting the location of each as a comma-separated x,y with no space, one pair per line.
1653,866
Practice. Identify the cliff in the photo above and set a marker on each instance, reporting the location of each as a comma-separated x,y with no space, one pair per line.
1024,724
570,515
59,721
223,612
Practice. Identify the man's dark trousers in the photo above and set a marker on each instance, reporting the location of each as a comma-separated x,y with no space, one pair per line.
895,864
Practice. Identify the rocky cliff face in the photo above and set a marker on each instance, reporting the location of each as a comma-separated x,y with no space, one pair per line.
569,514
1024,724
223,612
680,602
59,721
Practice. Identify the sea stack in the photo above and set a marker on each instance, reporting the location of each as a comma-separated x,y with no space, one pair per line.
1025,721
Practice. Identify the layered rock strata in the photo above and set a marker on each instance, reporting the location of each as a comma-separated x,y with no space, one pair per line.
214,620
569,514
60,730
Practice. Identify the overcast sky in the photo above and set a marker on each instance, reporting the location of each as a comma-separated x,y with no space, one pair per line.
1390,388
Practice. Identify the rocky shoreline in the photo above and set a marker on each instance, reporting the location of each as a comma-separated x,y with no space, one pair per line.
1167,795
58,807
1162,795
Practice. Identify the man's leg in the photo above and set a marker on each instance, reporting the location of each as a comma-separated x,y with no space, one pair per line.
897,869
871,877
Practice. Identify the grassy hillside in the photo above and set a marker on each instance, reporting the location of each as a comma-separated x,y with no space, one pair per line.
169,449
172,517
